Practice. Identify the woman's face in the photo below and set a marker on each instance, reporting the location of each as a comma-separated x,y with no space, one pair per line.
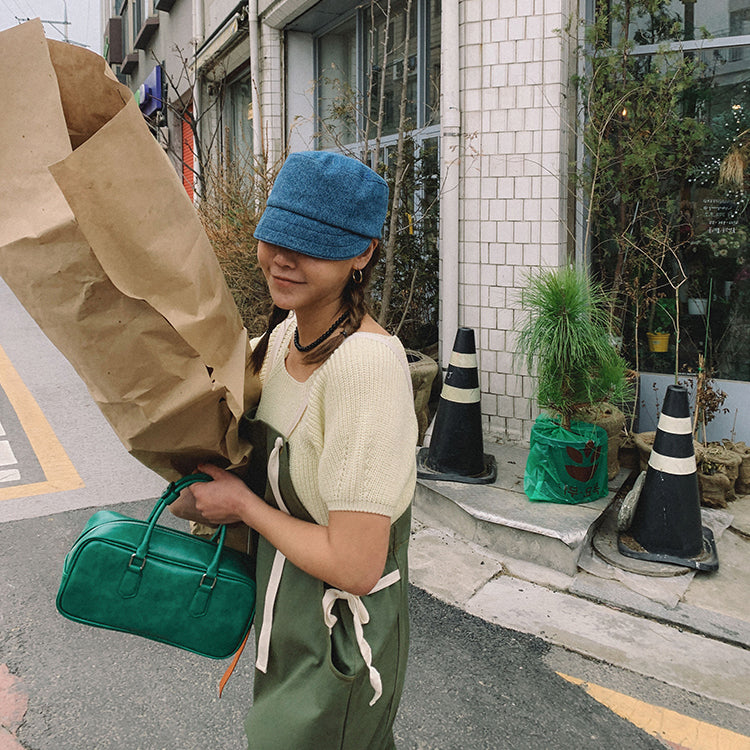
299,282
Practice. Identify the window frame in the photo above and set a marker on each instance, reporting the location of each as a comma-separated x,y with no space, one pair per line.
421,130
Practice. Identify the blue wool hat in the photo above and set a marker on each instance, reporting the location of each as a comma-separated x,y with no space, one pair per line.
324,204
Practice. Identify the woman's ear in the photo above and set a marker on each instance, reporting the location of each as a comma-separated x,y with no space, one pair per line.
362,260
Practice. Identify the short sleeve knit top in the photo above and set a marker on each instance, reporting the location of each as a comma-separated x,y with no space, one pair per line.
353,448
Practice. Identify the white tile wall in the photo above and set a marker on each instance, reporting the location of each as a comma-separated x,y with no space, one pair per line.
513,80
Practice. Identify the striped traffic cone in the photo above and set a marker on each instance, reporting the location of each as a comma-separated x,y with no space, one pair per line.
455,450
666,523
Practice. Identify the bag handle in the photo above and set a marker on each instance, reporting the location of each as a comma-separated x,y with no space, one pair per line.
173,490
132,577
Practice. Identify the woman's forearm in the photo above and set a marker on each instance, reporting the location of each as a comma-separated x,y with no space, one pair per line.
348,553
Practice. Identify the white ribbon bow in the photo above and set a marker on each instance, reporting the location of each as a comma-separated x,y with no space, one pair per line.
360,617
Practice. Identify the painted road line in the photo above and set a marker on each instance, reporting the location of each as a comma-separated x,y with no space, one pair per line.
678,730
7,457
10,475
58,468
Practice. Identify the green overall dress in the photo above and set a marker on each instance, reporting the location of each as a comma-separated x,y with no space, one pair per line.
331,665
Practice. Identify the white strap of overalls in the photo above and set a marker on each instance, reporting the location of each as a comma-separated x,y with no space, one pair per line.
361,617
274,578
277,568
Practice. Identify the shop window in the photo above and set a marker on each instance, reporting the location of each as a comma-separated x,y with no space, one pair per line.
360,78
674,237
688,19
138,18
338,98
716,249
127,42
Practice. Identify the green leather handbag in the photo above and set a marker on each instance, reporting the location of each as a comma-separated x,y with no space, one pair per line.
167,585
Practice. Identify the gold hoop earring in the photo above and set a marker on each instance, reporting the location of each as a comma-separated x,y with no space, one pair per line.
357,276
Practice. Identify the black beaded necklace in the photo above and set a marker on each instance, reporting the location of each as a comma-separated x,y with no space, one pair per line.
320,339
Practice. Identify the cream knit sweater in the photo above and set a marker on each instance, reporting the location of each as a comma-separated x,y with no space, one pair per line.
354,446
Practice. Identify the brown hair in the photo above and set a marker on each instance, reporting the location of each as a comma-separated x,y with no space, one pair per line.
354,301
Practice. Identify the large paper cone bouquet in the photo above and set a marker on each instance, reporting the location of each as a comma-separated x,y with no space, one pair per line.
101,244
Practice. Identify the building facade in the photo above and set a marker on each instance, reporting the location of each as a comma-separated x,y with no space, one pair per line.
491,93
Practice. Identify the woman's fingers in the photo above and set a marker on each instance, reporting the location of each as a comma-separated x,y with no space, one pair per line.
220,501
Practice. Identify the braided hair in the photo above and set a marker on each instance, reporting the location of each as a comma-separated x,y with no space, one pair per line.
355,302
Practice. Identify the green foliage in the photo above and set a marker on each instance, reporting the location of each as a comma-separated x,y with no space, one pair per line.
641,138
566,341
663,316
234,200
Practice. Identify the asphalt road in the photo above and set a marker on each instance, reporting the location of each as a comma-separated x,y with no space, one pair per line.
470,684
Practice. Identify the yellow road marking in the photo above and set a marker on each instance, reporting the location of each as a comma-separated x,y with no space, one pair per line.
682,731
57,467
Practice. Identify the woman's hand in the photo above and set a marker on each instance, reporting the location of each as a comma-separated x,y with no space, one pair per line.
220,501
349,553
226,499
184,507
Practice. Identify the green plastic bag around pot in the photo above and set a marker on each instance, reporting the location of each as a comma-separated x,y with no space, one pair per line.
566,466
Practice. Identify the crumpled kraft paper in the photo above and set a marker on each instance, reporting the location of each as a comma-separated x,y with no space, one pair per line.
103,247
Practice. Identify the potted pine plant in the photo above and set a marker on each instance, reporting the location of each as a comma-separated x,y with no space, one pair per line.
565,342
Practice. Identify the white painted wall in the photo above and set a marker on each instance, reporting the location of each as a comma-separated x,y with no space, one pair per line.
653,388
214,13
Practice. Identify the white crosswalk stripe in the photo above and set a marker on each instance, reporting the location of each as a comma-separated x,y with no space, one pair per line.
7,457
10,475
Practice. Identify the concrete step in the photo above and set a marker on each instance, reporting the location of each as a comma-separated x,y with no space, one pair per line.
467,536
501,518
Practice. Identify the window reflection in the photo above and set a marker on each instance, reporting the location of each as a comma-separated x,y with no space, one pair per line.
360,84
338,98
241,122
718,253
686,19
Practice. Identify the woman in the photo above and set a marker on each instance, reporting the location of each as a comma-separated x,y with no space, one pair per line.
331,620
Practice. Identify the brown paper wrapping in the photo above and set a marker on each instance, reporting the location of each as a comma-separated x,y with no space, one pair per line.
101,244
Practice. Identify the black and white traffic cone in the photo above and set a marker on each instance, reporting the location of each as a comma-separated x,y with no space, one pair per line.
666,523
455,452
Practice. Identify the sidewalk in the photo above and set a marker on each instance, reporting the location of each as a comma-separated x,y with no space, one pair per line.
539,568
